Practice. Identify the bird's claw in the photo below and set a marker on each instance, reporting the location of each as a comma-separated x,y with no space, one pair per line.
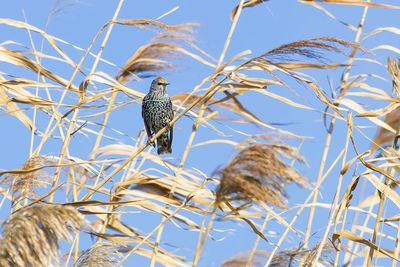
151,143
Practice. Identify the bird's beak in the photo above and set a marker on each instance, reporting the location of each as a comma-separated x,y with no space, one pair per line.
166,83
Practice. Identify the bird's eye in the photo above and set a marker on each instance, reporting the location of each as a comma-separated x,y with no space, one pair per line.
160,83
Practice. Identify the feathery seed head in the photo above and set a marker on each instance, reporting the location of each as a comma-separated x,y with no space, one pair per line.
258,172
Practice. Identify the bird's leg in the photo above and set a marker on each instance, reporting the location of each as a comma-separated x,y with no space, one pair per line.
151,143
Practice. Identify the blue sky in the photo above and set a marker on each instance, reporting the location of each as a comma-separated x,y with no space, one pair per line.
259,29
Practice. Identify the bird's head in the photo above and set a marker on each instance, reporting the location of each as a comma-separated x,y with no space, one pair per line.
159,85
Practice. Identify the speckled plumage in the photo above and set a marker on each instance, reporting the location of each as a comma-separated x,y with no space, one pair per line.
157,112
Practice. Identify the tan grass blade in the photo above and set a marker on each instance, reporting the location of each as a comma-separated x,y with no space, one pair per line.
14,110
18,59
144,23
384,189
393,30
49,38
353,105
356,238
353,3
248,3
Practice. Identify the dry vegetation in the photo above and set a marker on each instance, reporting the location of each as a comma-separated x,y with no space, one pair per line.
60,202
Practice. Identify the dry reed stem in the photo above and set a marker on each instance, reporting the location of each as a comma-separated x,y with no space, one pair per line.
178,174
333,210
297,215
36,93
267,218
48,132
201,239
165,220
253,251
76,111
394,74
328,139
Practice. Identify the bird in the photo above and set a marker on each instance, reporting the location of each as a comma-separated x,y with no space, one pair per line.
157,113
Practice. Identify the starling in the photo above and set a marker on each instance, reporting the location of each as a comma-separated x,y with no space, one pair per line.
157,113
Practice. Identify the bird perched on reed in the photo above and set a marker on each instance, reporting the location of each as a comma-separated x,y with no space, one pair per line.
157,112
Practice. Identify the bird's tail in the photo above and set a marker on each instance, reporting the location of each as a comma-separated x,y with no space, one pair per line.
163,145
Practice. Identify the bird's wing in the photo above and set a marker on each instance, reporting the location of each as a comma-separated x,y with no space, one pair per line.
146,122
171,117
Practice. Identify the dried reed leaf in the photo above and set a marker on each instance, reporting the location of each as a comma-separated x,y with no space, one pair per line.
258,173
159,190
16,88
248,3
236,107
389,48
393,30
353,3
347,196
385,137
329,14
18,59
49,38
370,201
356,238
384,189
238,88
381,111
106,79
144,23
31,236
393,158
306,65
353,105
14,110
252,82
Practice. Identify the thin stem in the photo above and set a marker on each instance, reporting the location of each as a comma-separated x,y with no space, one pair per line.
297,215
195,127
337,193
333,121
200,246
178,174
76,111
254,249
